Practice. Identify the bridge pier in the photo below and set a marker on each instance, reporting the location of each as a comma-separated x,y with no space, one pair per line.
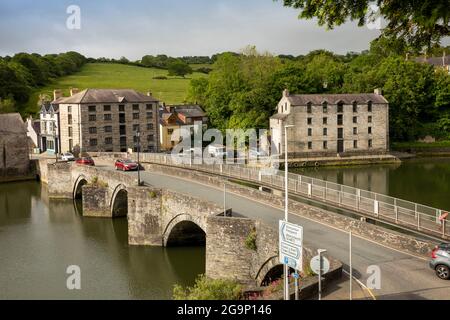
60,180
96,201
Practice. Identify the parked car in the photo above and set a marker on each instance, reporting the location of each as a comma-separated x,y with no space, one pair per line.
86,161
440,261
126,165
67,157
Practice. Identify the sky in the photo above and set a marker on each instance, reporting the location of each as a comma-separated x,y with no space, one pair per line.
133,28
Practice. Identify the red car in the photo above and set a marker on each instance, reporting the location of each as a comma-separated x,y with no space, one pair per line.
86,161
126,165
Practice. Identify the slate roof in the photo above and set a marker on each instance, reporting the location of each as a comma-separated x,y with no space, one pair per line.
193,111
94,96
333,99
12,123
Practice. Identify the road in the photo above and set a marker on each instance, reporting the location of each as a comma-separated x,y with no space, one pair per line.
403,276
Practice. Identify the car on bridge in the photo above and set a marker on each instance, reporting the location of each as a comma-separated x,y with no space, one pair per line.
125,165
86,161
440,261
67,157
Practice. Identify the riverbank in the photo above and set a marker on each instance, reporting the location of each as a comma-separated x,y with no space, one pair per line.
422,149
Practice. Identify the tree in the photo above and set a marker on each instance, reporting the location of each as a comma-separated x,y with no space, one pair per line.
7,106
179,68
421,23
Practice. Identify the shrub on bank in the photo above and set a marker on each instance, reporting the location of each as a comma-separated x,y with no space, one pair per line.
209,289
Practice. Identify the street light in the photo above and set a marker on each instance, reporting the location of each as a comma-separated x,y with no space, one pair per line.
286,212
54,140
138,141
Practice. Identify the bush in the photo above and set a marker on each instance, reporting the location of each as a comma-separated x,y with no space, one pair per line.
250,241
209,289
160,78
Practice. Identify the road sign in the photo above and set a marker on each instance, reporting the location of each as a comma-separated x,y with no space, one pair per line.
291,245
315,265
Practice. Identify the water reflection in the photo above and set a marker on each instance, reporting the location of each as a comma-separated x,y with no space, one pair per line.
40,238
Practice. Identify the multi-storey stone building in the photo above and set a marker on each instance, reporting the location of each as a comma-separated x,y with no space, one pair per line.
106,120
331,124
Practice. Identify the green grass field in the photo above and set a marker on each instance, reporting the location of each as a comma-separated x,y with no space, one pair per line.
118,76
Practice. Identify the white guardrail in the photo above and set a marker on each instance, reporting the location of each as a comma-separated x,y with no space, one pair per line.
409,214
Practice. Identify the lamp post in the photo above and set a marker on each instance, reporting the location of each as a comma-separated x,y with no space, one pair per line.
138,141
286,212
54,140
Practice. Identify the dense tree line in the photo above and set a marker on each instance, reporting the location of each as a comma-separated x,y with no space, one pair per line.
243,90
23,72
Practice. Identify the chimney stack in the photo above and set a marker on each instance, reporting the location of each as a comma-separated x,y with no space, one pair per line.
378,91
74,91
57,94
149,93
285,93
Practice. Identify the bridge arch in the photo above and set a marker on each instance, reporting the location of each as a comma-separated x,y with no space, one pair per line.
184,229
77,187
119,201
271,270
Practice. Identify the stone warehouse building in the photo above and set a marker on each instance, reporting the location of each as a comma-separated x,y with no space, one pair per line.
332,124
14,155
107,120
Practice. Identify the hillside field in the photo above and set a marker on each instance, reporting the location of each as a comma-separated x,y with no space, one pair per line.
118,76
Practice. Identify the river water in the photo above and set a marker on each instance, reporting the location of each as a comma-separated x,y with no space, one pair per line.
39,238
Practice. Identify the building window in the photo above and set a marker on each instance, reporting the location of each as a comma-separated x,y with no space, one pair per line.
135,107
369,106
92,117
69,119
340,107
123,130
108,129
121,108
92,108
355,130
149,115
309,107
355,144
369,119
123,141
340,119
70,132
108,140
150,126
150,138
369,130
136,127
355,107
93,142
92,130
310,145
107,108
169,131
355,119
309,132
135,116
325,107
325,145
107,117
69,109
149,107
370,143
325,131
325,120
310,121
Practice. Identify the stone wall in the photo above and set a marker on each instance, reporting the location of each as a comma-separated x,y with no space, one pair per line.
96,201
14,157
59,177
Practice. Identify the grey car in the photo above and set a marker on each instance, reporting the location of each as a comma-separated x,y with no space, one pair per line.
440,260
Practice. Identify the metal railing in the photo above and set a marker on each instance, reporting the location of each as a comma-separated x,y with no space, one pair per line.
382,207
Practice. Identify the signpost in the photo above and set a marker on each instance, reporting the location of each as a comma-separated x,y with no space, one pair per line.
291,247
320,265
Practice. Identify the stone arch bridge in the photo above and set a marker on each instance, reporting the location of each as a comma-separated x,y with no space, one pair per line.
159,217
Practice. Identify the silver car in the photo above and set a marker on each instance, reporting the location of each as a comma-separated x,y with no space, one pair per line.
440,260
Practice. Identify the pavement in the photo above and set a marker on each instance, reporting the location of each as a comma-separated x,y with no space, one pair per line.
402,276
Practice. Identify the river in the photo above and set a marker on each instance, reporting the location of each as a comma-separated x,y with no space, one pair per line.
39,238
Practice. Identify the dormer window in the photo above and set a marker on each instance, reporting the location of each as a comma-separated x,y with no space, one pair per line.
325,107
369,106
340,107
355,107
309,107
